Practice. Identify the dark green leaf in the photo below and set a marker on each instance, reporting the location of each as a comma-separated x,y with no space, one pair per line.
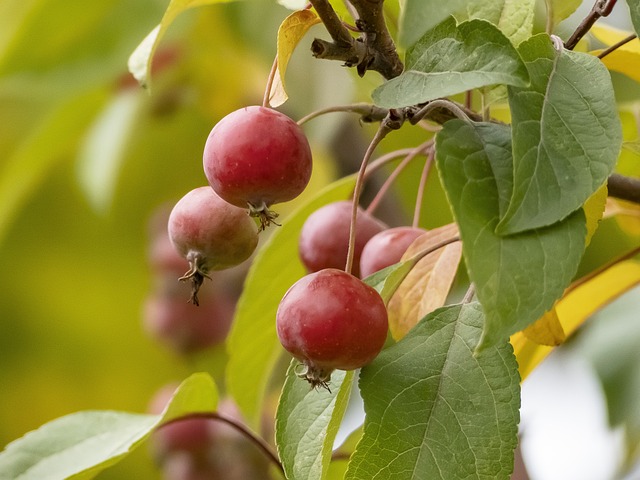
253,345
434,410
82,444
519,277
566,135
452,59
307,422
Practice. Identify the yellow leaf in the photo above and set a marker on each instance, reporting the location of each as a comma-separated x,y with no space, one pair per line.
593,210
627,215
576,307
547,330
140,60
625,59
428,283
291,31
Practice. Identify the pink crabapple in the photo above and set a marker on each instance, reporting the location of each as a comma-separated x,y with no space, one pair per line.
211,234
386,248
324,239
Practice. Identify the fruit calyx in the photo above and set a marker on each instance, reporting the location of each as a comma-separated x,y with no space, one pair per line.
196,275
315,375
264,215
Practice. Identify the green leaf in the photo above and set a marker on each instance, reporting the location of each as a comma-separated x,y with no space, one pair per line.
434,409
81,445
519,277
566,135
140,60
514,18
451,59
307,422
419,16
387,280
253,345
558,10
634,10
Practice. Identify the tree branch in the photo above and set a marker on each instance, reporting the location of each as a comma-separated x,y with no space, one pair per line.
373,50
624,188
602,8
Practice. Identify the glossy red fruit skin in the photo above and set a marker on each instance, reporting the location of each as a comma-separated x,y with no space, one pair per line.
332,320
257,156
387,248
202,223
324,239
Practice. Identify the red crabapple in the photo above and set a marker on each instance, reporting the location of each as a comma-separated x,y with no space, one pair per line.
387,248
331,320
255,157
324,239
211,234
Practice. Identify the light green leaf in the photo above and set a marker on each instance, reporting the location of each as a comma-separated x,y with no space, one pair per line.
451,59
566,135
253,345
417,17
38,153
307,422
558,10
142,57
103,150
634,10
434,410
81,445
474,162
387,280
514,18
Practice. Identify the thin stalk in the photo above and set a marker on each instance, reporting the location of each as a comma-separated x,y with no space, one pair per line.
364,109
396,172
240,427
382,160
471,291
421,187
615,46
382,132
270,79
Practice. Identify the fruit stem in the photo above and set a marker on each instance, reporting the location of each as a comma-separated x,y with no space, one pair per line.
382,132
421,187
471,291
270,79
368,112
396,172
239,426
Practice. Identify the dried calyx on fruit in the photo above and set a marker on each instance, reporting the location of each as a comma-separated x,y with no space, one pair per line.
211,234
331,320
256,157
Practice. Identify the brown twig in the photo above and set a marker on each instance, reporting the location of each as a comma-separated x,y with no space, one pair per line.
602,8
239,426
373,50
616,46
624,188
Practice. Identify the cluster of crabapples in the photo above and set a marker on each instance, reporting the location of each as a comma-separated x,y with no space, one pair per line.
330,319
